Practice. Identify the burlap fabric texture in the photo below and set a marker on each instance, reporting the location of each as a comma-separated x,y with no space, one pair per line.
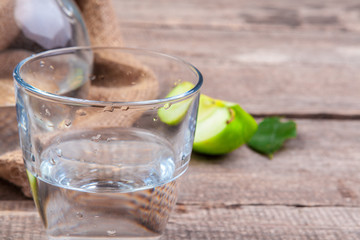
103,29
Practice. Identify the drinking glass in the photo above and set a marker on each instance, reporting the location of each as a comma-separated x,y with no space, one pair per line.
102,162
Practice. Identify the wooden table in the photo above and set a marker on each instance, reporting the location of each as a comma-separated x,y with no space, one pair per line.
298,59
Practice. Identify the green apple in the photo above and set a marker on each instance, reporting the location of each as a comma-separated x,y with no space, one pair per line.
173,114
33,186
221,127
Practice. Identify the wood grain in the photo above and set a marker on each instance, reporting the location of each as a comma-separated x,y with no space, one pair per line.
325,15
266,223
272,68
20,221
318,168
308,191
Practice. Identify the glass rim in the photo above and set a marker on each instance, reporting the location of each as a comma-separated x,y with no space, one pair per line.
92,103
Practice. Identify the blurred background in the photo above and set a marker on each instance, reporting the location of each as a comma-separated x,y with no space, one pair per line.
282,57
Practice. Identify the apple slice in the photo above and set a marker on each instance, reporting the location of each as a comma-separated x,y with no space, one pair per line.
33,187
173,114
221,127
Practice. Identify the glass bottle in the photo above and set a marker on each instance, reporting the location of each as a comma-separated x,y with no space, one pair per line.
28,27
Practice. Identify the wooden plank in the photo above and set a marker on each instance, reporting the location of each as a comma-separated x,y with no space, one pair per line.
217,222
241,14
268,74
20,220
265,223
318,168
300,72
18,205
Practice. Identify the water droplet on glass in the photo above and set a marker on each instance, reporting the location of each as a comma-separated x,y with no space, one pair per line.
124,108
52,161
67,122
58,152
81,112
96,138
167,106
51,67
47,112
108,109
79,215
111,232
183,159
42,63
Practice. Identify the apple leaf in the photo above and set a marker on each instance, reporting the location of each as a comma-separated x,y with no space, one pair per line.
271,135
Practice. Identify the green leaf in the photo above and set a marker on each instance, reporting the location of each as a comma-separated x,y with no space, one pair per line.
271,135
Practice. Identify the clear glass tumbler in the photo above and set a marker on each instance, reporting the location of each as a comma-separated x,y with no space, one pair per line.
102,163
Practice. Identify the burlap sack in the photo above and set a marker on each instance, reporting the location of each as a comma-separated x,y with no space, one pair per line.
101,21
8,27
103,29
